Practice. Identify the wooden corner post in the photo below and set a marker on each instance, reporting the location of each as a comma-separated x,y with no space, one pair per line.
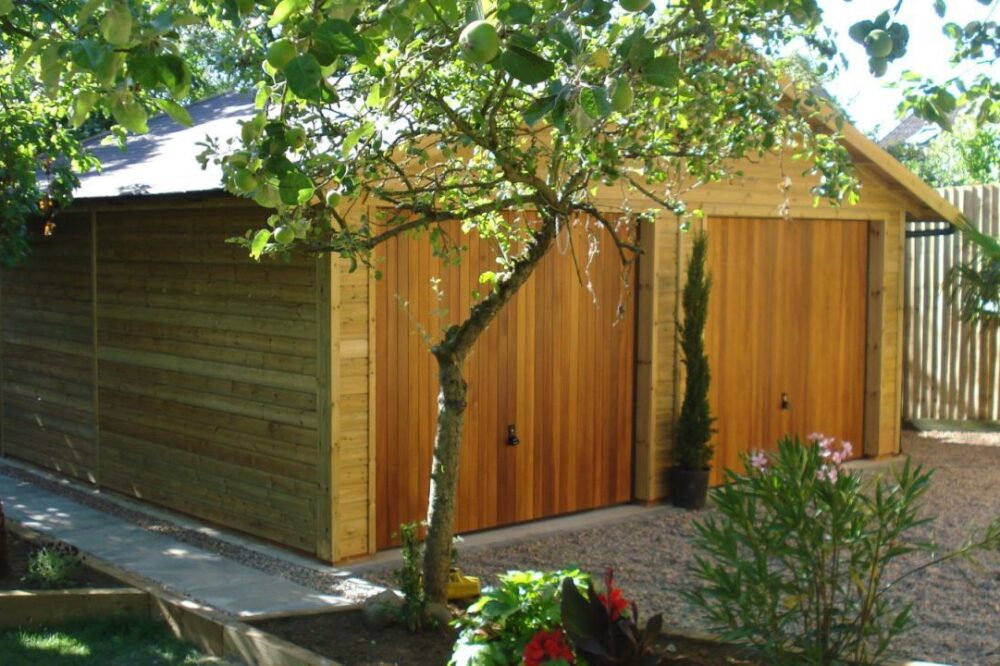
327,401
644,486
883,357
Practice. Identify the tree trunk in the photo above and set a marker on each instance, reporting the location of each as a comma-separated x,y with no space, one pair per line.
444,474
450,355
4,565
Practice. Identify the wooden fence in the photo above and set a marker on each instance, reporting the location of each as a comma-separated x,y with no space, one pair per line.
951,369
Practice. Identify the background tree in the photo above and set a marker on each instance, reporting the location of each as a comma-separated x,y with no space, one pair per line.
507,117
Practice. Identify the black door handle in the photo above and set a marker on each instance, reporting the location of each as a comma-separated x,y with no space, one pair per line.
784,401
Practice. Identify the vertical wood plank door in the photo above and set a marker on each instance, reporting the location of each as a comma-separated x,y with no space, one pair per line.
787,322
557,364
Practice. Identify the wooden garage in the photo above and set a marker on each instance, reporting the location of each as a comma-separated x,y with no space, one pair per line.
294,401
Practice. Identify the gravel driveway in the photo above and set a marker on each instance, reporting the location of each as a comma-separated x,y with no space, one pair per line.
956,606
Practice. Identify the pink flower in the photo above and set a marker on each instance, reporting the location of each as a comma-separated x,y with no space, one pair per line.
827,473
846,448
759,461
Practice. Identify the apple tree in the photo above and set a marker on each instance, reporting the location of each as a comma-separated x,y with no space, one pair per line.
503,115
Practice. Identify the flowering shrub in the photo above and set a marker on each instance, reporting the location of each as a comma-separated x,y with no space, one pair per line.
554,619
499,626
548,647
604,629
797,561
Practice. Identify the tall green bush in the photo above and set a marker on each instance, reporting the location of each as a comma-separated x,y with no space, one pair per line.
694,425
801,556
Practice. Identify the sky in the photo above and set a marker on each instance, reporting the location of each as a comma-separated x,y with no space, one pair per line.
870,102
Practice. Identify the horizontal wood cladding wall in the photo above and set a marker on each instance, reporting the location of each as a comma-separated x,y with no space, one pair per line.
760,193
47,352
207,372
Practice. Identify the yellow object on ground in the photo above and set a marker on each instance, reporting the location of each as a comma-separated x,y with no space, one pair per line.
462,587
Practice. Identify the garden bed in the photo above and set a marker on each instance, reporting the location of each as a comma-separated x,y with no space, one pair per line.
19,555
343,637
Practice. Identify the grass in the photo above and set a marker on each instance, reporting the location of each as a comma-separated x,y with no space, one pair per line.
105,642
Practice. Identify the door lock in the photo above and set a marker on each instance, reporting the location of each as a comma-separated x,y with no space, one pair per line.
512,439
784,401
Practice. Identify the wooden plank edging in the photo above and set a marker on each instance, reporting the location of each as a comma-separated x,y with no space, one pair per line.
23,609
212,631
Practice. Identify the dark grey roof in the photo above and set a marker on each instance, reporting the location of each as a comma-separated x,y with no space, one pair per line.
163,161
902,132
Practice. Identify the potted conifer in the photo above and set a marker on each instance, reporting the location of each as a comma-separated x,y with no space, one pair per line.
688,479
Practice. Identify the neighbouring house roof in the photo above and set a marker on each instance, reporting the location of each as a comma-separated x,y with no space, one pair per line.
909,127
163,161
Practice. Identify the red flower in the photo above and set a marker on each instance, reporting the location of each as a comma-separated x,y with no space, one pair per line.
546,646
616,604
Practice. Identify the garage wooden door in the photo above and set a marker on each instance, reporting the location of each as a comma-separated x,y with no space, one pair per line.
554,365
786,331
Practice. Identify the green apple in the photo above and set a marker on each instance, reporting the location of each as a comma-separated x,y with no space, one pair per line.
878,43
280,53
622,95
244,181
634,5
479,42
295,137
284,235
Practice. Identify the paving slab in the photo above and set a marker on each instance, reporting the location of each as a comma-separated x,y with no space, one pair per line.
180,567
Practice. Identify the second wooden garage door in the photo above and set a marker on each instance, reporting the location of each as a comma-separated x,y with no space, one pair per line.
786,331
555,365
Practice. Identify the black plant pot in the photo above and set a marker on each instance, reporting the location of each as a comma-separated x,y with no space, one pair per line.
688,487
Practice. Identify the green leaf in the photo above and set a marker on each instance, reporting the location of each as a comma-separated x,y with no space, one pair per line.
259,242
539,109
595,102
663,71
116,25
860,30
50,67
82,106
6,7
90,54
639,50
516,13
939,8
354,136
295,188
29,53
177,112
87,10
284,10
174,74
129,113
525,66
305,76
334,38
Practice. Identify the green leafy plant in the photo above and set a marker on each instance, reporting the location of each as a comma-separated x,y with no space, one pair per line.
496,629
798,560
603,630
692,450
51,567
413,613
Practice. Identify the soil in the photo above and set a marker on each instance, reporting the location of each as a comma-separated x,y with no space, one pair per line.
19,553
343,637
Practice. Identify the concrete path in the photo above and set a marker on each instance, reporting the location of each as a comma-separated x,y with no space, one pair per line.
183,569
